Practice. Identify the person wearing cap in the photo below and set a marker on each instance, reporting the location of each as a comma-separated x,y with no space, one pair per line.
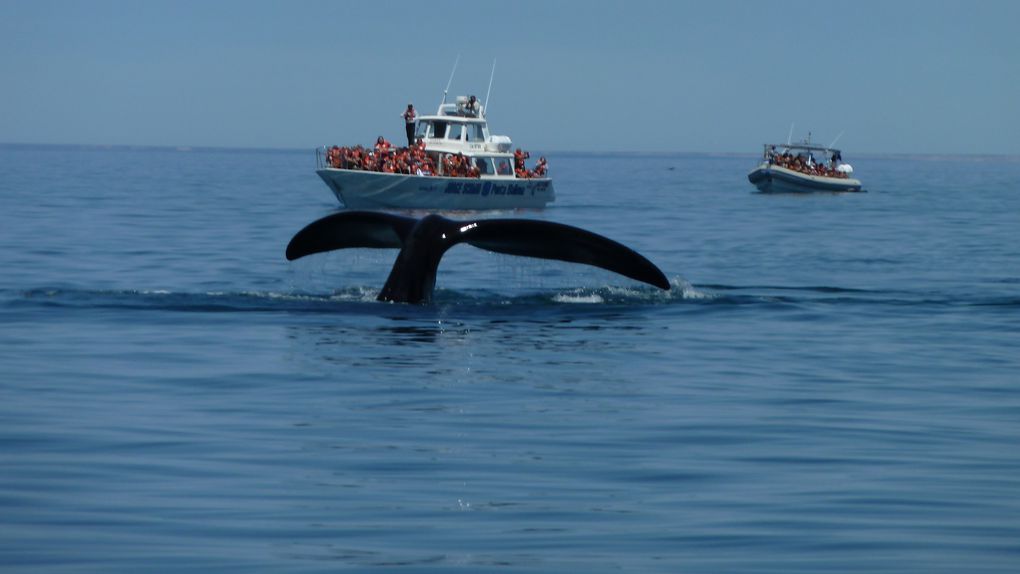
409,118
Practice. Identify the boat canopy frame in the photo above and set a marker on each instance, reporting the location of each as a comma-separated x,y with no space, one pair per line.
801,146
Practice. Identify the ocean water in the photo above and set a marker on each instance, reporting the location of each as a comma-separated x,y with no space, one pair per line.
831,385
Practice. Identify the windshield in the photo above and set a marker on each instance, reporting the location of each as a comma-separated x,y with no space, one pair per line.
475,133
431,129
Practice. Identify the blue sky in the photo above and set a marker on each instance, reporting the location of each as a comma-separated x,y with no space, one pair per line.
891,76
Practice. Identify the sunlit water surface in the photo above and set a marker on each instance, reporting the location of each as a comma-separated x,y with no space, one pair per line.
831,385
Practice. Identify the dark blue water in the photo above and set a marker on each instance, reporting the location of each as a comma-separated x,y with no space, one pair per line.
832,385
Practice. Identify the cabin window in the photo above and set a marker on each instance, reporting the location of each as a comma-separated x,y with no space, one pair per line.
424,130
484,165
438,130
474,133
503,166
455,132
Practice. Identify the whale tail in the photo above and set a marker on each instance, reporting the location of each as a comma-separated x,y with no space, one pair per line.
349,229
422,243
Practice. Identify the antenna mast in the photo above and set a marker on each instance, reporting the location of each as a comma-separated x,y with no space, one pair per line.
455,62
485,107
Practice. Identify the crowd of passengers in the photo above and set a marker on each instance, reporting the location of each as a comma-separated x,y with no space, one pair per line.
413,160
806,163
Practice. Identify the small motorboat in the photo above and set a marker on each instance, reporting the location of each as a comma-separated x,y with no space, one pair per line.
801,168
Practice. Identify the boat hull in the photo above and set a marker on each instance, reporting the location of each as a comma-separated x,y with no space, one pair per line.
774,179
374,190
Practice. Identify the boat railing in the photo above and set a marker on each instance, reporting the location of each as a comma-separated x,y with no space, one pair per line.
428,162
806,165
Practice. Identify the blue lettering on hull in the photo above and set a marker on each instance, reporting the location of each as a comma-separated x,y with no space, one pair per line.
492,188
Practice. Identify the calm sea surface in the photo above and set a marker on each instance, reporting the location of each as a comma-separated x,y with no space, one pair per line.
832,384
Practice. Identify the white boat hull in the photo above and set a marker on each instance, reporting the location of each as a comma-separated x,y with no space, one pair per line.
775,179
374,190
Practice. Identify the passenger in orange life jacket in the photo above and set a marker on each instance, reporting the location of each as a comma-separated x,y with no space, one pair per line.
460,165
418,151
541,167
424,168
448,165
409,118
519,158
381,145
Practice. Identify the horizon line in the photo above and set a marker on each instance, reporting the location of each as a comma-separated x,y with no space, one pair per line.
227,148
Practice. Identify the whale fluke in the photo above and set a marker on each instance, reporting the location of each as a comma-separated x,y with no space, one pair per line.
422,243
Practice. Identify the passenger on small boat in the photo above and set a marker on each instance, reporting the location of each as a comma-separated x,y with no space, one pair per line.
805,163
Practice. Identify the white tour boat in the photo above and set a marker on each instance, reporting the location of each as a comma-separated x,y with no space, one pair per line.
794,168
458,131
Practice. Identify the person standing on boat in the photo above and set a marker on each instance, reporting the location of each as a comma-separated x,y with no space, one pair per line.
542,167
409,119
519,157
473,107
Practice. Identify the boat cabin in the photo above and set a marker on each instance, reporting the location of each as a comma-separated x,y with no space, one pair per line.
457,132
460,127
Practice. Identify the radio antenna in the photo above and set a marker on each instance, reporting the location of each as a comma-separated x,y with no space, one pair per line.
485,107
454,71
